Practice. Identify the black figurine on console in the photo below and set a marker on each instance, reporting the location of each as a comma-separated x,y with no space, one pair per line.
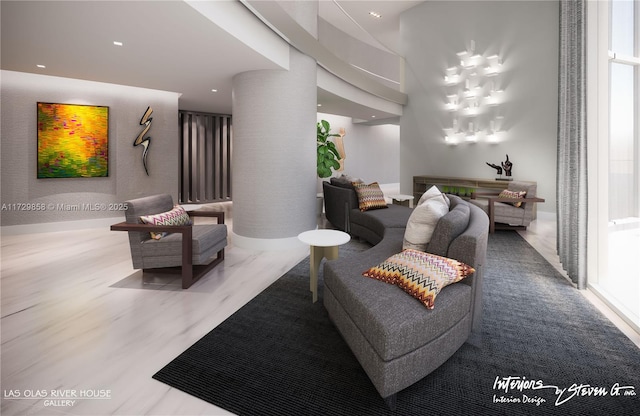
496,167
506,165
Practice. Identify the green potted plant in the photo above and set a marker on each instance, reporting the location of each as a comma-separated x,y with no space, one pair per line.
328,155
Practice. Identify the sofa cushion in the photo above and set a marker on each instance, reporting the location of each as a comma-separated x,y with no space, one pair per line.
393,322
433,206
204,236
395,216
422,275
369,196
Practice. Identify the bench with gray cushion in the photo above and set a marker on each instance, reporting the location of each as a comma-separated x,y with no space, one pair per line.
196,249
509,213
396,339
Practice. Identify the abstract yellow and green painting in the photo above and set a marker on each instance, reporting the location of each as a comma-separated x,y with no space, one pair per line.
73,141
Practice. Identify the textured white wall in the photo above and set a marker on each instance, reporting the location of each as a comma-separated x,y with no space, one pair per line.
373,152
525,35
126,180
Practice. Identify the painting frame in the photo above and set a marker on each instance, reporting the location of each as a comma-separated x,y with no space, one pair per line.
72,140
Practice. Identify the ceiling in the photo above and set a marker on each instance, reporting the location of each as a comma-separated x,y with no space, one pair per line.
354,18
167,45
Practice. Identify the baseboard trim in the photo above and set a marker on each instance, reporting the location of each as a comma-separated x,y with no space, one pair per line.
52,227
266,244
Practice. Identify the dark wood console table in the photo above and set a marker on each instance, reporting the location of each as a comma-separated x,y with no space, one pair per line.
463,187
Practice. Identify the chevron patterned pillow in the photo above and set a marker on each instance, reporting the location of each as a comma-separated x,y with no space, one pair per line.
177,216
369,196
422,275
513,195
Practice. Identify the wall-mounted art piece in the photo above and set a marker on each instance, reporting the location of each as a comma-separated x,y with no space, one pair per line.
73,141
144,141
473,96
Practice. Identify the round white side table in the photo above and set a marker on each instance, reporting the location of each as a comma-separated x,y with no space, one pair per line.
323,243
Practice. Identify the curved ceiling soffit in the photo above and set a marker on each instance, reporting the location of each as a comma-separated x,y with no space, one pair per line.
274,16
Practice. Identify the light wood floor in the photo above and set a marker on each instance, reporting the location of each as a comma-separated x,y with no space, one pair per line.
77,318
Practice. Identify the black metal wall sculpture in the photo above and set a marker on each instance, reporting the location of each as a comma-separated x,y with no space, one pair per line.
144,141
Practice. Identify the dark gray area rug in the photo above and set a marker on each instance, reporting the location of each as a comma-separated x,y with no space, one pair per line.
545,350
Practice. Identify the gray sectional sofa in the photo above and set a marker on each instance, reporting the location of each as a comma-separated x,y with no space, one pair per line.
396,339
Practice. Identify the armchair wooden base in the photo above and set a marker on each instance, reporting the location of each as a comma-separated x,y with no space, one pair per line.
501,226
190,272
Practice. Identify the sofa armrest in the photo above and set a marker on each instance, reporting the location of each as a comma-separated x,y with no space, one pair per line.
338,202
127,226
511,200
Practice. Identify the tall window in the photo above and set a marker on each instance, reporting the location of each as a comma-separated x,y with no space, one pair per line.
619,182
624,61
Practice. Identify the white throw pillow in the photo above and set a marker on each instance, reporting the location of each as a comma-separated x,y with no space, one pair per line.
432,206
430,193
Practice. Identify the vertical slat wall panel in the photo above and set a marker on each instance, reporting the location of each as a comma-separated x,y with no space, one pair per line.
205,157
223,150
208,164
185,133
228,158
193,155
201,158
216,163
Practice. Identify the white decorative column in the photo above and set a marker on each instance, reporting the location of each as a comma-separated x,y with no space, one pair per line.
274,154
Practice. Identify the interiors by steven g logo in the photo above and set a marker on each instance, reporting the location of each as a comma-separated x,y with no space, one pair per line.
522,390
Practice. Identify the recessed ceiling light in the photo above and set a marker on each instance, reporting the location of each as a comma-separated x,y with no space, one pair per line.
319,105
375,14
117,43
214,90
373,116
41,66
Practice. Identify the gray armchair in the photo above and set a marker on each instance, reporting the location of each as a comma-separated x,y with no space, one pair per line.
503,212
196,249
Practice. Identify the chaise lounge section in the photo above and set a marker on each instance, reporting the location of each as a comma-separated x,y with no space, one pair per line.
396,339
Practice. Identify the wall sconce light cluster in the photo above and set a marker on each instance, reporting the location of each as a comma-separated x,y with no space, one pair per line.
473,98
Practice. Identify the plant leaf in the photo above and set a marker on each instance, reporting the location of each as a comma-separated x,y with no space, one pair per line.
324,172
